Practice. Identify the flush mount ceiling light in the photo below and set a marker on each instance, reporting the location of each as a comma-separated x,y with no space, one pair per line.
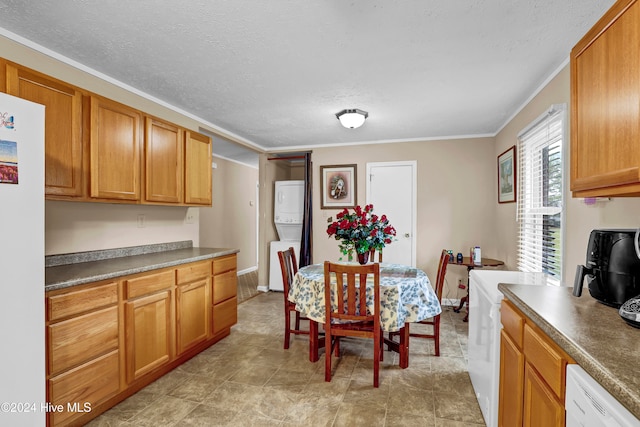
352,118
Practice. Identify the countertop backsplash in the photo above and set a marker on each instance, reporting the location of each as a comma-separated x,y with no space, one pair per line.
77,257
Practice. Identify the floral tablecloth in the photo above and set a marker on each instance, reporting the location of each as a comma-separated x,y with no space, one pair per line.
406,295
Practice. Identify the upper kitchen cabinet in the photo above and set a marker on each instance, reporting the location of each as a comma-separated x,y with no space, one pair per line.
163,154
63,127
605,106
197,169
114,145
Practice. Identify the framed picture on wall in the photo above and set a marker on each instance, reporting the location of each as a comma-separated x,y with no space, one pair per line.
507,176
338,186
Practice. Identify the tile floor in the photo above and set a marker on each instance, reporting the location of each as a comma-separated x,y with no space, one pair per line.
247,379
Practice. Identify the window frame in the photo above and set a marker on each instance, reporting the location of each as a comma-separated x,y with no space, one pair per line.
555,112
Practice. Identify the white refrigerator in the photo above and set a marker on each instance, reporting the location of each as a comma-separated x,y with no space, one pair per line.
484,332
22,332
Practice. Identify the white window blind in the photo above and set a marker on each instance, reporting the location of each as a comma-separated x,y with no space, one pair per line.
540,193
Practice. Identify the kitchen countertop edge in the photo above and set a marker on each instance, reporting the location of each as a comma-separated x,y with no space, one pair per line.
64,276
571,345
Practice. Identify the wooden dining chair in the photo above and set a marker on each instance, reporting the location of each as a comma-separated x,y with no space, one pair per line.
289,267
435,320
349,318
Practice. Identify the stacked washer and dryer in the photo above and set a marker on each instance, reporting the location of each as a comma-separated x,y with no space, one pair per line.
288,212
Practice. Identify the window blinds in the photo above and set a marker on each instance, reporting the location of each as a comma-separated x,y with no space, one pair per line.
540,193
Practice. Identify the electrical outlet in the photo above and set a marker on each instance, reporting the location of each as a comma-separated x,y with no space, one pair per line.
141,221
190,218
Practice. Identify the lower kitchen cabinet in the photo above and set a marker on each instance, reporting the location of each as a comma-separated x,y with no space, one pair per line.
107,340
83,362
511,382
225,286
541,405
532,373
192,304
80,389
148,322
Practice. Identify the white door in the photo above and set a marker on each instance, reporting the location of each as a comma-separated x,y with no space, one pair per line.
391,188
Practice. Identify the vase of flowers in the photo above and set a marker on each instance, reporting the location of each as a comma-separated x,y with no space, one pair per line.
361,231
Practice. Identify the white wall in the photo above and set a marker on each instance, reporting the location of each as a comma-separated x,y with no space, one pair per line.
78,227
455,204
580,219
231,221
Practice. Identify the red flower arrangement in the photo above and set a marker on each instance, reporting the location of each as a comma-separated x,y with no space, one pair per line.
361,230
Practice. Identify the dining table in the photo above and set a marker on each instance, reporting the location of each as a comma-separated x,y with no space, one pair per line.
406,296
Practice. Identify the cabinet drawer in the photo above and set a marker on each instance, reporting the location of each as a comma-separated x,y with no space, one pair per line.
78,339
225,263
71,303
225,286
546,359
149,284
92,383
225,315
512,321
192,272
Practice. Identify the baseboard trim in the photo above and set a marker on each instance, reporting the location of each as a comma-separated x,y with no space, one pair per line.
263,288
450,302
247,270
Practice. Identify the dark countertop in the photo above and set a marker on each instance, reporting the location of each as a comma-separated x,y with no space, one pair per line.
77,273
593,334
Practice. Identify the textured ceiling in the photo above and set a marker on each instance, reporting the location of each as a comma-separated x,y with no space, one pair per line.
274,73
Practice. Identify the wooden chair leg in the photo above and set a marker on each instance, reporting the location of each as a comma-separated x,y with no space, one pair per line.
297,320
436,334
376,361
327,356
404,346
287,328
314,342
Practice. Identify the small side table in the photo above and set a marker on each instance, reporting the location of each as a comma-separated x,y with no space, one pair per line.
468,262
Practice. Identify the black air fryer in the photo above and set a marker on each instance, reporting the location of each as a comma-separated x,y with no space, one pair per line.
612,268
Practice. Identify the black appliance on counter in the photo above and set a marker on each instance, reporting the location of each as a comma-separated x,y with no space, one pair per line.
612,268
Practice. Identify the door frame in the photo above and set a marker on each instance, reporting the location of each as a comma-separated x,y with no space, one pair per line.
414,197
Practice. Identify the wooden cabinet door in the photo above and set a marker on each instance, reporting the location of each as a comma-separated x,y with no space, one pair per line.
511,382
114,144
541,407
63,127
605,106
149,337
197,169
225,315
163,154
192,302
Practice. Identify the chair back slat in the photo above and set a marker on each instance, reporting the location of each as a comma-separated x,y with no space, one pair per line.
351,296
442,271
289,267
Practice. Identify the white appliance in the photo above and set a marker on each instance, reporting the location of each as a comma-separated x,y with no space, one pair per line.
22,262
588,404
484,332
288,212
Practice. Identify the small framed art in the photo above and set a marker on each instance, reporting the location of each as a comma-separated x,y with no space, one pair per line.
338,186
507,176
